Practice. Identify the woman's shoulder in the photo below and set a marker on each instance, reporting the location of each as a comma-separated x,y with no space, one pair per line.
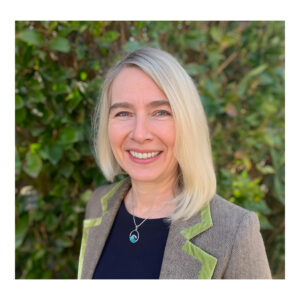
236,241
219,205
230,216
229,222
94,206
100,200
226,219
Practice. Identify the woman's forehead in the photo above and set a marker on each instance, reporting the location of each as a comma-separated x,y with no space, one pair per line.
134,85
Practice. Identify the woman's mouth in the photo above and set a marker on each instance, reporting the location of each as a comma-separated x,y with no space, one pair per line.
143,157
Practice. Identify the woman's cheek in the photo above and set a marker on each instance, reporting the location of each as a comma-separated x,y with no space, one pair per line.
165,131
117,134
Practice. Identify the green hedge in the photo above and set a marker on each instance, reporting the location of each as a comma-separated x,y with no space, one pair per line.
238,68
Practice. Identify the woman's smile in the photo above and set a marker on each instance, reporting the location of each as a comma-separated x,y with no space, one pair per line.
144,157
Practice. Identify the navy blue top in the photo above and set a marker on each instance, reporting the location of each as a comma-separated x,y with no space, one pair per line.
122,259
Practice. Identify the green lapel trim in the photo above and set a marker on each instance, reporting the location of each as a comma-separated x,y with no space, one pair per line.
206,222
92,222
104,199
88,223
208,261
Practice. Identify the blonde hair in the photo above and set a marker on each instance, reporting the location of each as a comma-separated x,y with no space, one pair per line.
196,183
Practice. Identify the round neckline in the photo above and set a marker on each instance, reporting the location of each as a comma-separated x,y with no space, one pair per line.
138,218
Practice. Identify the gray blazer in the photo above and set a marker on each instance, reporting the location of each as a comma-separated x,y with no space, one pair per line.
222,241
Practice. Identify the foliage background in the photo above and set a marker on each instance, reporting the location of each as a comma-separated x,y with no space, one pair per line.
238,68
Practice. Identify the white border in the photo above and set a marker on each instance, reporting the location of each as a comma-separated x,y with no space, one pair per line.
149,10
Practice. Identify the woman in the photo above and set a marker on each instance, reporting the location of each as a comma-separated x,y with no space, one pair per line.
164,220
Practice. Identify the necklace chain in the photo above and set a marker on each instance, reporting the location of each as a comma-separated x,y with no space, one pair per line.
137,226
134,235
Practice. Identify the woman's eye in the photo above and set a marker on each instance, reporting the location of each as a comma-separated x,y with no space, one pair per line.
122,114
162,113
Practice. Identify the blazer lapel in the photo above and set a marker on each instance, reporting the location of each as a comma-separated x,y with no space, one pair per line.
182,258
96,231
176,263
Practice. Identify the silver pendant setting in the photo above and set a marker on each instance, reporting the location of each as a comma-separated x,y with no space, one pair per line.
134,236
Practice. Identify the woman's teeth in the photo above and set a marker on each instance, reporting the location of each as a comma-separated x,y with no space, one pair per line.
144,155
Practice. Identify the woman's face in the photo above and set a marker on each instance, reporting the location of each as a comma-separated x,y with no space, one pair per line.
141,127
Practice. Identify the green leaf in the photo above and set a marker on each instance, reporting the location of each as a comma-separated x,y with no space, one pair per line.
59,189
20,115
216,33
39,254
55,153
64,242
244,82
60,44
67,135
37,96
258,206
257,71
74,98
84,149
193,39
18,164
212,107
73,155
83,76
277,158
278,189
85,196
60,88
38,215
228,40
21,229
35,147
110,36
264,223
18,102
36,131
33,164
131,46
194,69
51,222
66,169
31,36
162,27
265,169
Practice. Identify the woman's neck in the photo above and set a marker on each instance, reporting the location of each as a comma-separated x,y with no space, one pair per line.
150,200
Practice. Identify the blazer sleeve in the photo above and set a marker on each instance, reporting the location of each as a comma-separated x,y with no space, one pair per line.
248,259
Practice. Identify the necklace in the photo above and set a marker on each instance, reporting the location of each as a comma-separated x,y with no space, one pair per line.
134,235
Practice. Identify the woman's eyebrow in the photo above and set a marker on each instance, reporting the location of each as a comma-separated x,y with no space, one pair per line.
120,105
154,103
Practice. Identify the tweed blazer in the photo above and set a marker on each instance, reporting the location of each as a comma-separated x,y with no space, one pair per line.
223,241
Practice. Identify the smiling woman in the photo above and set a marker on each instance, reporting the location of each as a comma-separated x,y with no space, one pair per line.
164,220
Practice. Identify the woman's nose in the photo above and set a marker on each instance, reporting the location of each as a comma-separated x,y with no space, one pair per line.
140,131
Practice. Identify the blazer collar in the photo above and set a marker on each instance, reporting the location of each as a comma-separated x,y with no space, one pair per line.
182,258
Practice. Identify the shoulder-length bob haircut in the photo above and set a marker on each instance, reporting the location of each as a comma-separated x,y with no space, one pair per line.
196,183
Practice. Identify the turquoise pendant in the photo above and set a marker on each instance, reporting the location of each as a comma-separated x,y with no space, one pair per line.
134,236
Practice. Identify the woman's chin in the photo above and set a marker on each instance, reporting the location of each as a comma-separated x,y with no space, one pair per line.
145,177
